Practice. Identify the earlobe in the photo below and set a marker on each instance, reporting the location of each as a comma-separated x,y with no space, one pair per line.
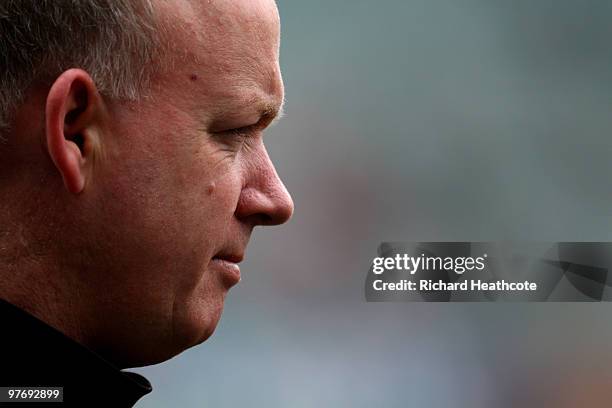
71,112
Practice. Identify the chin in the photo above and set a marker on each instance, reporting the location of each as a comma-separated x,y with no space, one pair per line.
199,324
192,324
193,319
188,335
206,332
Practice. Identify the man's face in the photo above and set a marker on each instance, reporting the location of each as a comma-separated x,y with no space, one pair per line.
184,178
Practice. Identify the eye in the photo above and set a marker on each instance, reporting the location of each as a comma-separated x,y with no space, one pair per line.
232,135
234,139
241,132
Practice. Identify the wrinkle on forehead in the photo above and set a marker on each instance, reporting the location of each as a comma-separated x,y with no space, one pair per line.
202,20
231,46
226,37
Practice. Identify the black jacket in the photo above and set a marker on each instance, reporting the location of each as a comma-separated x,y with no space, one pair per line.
34,354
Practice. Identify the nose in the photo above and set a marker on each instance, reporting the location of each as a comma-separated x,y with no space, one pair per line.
264,200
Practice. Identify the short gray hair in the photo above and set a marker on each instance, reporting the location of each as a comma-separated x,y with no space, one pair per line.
115,41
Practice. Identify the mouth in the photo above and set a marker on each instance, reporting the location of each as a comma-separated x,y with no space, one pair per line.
227,265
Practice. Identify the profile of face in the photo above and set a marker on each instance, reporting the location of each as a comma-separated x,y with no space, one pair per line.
168,189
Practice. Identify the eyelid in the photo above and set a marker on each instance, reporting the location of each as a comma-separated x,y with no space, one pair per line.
264,122
244,130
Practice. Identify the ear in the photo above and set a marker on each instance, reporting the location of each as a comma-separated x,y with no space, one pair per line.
73,111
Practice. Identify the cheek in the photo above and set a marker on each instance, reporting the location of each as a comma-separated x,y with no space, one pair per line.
220,199
200,195
169,195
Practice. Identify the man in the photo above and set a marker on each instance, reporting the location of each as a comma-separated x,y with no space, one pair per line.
132,173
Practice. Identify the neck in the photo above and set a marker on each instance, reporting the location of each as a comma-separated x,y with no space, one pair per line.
47,293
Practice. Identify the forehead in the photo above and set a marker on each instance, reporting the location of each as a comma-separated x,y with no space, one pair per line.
230,46
197,17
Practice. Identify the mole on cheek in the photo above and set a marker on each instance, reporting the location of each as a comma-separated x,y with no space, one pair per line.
193,77
211,188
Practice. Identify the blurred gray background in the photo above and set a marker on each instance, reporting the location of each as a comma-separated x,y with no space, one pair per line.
420,120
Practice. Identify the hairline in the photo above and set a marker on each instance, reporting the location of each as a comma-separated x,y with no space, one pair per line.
121,58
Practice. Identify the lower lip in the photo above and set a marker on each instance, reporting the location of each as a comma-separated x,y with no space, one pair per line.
230,271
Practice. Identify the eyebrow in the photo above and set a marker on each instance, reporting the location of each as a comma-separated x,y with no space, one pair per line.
278,114
268,109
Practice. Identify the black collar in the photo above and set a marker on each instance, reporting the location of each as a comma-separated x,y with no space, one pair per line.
34,354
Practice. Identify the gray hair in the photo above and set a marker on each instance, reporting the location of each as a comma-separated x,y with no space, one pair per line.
115,41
